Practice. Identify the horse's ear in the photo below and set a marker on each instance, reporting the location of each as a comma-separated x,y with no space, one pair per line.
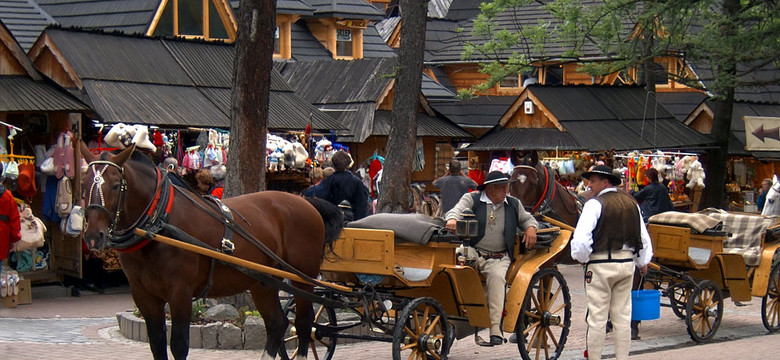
123,156
86,153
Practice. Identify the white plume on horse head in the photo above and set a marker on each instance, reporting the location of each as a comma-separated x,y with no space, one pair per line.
772,205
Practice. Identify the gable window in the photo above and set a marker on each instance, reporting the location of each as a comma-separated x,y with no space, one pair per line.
277,43
193,19
344,43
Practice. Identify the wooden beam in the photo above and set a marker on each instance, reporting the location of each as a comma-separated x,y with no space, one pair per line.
226,14
238,261
156,18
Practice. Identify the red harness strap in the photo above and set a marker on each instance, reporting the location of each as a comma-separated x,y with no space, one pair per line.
544,193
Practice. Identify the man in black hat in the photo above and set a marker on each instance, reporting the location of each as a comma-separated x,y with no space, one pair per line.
499,215
610,239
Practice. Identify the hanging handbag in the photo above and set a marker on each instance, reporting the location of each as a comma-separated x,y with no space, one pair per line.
11,170
64,199
75,223
32,230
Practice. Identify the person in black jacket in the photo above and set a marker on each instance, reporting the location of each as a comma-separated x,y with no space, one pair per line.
343,185
654,198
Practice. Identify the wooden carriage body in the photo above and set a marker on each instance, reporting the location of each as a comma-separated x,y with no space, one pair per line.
431,270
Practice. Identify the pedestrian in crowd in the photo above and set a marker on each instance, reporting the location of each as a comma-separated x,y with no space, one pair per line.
171,167
453,185
499,215
205,181
344,185
316,175
610,239
653,198
766,184
218,173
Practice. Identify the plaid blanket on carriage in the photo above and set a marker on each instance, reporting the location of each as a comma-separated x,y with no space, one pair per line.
698,222
744,233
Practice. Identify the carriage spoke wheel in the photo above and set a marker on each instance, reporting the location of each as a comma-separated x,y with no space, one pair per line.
678,297
422,331
770,304
704,311
321,346
545,318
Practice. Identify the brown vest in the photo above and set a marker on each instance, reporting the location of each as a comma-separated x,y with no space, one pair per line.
618,224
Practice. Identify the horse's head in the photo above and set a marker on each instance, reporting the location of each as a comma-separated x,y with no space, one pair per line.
525,184
104,189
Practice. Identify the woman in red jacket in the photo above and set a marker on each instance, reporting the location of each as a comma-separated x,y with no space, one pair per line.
9,223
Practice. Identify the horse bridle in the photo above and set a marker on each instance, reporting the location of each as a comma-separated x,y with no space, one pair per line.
543,203
97,182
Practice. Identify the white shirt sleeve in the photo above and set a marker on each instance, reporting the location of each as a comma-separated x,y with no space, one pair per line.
646,253
582,241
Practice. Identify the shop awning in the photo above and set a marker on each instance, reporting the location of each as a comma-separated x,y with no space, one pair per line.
23,94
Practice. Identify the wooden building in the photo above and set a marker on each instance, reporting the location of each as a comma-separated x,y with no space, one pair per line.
40,109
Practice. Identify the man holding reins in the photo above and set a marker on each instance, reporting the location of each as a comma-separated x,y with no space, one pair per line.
499,216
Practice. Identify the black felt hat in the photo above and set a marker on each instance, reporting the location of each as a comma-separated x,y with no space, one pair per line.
494,177
603,171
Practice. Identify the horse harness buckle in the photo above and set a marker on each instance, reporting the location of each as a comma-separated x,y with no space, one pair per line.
227,245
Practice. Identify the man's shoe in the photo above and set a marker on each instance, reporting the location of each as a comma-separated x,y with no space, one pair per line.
496,340
513,338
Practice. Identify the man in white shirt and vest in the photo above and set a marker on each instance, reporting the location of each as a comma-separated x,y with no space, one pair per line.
610,239
499,215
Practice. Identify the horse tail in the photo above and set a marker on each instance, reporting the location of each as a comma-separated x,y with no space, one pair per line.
333,219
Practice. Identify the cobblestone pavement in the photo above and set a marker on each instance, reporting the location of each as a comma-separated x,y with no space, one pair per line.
85,328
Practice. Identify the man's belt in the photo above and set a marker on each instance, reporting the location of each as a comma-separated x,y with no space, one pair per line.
487,255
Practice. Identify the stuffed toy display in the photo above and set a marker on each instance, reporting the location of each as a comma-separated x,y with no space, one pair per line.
122,136
695,173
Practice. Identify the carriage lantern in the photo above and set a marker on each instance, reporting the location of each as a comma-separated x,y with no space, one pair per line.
468,226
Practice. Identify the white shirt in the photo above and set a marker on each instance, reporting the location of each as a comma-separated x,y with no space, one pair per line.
582,241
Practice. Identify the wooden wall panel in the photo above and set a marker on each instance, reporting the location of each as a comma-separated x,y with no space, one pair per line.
8,64
49,66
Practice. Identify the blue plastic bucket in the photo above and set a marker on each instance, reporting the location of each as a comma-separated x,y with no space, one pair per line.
645,304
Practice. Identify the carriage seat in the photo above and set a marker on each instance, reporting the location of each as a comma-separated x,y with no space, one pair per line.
745,233
415,228
701,223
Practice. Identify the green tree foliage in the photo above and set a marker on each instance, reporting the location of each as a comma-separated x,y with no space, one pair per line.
730,40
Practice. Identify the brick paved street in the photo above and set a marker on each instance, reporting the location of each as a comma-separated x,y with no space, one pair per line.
85,328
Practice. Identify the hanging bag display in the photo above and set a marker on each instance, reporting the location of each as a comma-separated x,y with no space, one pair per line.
75,223
11,170
32,230
64,197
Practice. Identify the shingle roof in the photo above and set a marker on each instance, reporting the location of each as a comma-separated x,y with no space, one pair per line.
599,118
293,7
349,9
305,47
438,8
444,41
170,82
460,9
128,16
374,46
25,19
681,104
434,91
340,81
22,93
386,27
481,112
765,93
524,139
426,126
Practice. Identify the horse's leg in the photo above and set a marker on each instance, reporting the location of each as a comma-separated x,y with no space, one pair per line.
153,311
304,316
181,314
266,301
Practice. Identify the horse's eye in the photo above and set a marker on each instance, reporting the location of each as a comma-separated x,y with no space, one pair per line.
115,188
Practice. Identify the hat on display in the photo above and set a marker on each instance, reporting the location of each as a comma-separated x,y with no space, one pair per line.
603,171
25,184
494,178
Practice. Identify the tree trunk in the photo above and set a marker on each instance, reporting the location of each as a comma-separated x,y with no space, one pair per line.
721,122
249,102
397,173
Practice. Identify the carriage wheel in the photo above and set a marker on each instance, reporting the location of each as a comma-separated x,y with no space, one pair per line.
770,304
704,311
678,297
321,346
422,331
545,317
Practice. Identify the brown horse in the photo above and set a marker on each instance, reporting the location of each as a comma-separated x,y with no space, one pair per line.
126,191
535,185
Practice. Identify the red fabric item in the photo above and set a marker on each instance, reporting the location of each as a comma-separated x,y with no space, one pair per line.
217,192
478,176
373,169
157,139
9,230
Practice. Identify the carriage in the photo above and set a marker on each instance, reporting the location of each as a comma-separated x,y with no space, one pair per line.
700,259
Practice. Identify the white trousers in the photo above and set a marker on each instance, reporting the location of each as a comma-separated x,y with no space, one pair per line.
494,271
608,289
